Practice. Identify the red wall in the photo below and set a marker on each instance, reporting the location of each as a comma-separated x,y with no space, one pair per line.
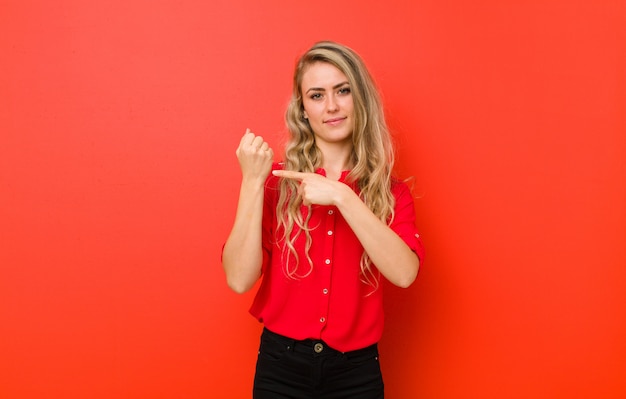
118,183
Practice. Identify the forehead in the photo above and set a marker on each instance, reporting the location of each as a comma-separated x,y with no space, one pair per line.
322,75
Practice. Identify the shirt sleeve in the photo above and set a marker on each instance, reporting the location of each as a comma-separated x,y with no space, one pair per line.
403,222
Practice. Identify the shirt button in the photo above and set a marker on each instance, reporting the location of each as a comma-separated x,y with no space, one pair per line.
322,319
327,261
325,291
330,232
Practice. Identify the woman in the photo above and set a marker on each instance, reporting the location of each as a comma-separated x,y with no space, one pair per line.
322,228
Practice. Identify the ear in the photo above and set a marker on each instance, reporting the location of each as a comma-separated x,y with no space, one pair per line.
305,115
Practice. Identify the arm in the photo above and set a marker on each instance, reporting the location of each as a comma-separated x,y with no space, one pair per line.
242,257
391,255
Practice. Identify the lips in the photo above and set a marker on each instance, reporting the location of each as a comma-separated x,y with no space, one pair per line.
334,121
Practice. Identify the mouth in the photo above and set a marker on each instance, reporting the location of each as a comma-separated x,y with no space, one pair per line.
335,121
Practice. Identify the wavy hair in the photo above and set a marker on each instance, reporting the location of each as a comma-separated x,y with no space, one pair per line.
372,158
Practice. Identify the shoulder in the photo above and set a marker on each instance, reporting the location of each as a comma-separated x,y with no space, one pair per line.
402,193
272,181
400,187
278,166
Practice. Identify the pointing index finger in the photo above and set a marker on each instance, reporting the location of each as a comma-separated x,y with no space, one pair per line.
289,174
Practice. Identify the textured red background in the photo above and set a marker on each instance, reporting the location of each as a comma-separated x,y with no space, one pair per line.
118,184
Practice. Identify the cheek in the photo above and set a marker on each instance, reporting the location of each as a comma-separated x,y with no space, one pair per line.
310,110
348,104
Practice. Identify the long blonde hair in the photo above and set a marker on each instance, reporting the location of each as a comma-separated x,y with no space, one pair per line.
372,156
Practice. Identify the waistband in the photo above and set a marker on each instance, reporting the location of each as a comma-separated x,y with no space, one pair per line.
317,347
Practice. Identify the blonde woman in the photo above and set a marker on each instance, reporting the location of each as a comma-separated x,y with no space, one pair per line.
322,229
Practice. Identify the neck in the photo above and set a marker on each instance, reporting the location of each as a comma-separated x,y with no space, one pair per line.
335,161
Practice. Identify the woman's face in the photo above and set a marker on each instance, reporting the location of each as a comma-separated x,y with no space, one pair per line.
327,101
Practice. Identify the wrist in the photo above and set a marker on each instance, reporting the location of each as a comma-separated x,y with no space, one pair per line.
344,196
253,182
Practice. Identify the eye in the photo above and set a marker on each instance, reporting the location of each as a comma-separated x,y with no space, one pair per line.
344,90
315,96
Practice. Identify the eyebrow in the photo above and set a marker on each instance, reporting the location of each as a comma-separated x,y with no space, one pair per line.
338,85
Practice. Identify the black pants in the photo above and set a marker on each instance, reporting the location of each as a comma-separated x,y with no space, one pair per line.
288,368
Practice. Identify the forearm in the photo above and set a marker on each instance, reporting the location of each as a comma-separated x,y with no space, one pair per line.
242,256
391,255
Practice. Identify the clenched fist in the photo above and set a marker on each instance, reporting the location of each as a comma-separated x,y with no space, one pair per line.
255,156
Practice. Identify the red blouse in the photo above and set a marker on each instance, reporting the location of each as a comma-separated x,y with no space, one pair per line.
331,303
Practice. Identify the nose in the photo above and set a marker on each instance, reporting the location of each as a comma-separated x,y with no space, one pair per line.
331,105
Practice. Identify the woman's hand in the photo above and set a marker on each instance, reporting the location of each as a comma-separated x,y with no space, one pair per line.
255,157
316,189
